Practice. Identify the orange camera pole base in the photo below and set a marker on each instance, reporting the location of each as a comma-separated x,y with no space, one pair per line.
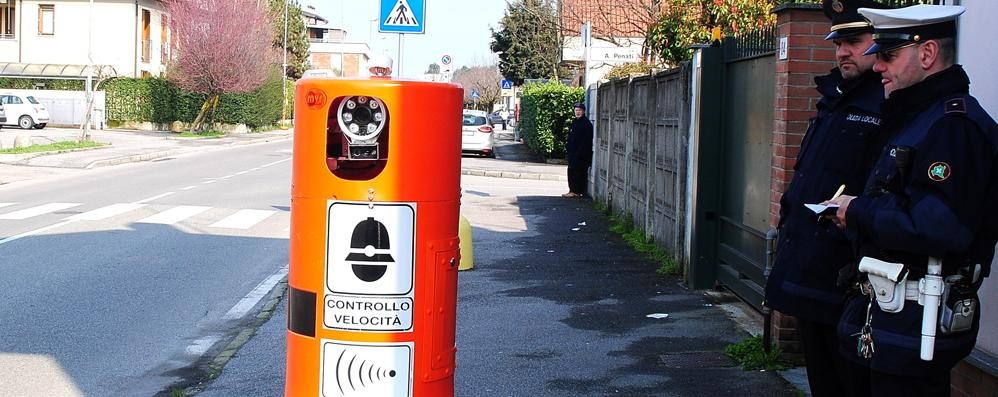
374,240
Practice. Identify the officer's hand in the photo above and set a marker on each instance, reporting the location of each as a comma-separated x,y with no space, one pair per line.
840,214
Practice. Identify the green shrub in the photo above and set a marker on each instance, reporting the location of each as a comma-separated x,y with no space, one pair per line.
49,84
626,69
546,115
750,354
160,101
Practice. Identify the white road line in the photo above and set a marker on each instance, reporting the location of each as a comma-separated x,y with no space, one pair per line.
243,219
6,204
106,212
241,172
201,346
175,214
244,305
35,211
209,182
34,232
255,169
274,163
157,197
188,188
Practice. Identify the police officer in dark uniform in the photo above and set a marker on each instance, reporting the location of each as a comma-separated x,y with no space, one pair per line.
928,205
838,150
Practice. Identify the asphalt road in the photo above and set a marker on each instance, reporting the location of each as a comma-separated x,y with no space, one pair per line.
117,281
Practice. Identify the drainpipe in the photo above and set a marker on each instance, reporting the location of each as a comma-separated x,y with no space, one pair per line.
767,320
20,33
135,42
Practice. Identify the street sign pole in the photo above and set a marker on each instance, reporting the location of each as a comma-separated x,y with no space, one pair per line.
401,43
402,16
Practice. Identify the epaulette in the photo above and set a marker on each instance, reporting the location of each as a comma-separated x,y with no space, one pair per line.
955,106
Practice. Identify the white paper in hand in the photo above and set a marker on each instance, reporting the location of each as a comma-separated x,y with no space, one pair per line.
822,209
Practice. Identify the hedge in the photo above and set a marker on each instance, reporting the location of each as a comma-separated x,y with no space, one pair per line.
49,84
545,116
160,101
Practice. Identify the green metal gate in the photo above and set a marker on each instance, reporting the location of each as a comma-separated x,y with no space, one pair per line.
735,160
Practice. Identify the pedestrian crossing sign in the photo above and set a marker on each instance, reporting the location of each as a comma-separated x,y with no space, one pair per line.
402,16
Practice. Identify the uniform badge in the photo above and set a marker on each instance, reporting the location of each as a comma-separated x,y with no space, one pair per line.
837,6
939,171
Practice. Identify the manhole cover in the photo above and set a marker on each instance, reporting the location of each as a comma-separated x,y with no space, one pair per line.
696,360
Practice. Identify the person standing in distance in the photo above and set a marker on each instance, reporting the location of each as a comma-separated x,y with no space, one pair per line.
579,152
930,199
838,150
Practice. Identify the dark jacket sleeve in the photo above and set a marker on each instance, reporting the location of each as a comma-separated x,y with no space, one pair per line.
942,211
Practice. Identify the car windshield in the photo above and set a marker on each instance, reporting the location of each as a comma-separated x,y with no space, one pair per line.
470,119
32,100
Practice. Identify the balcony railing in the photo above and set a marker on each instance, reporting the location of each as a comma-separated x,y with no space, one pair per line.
324,40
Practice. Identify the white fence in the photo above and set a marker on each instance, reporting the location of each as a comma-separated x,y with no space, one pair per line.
68,108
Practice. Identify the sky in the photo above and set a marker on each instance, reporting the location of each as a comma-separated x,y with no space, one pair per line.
459,28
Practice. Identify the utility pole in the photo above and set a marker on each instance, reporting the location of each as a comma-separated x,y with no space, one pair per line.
88,114
284,77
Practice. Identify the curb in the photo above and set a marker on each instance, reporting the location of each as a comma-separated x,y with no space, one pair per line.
172,152
513,175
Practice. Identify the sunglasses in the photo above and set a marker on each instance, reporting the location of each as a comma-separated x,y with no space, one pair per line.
890,55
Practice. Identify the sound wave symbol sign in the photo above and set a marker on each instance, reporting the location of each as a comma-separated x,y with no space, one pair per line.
350,373
353,369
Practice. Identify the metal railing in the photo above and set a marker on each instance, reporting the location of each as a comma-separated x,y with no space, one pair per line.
751,44
146,50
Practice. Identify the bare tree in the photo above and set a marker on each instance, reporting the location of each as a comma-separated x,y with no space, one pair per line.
485,79
613,21
222,46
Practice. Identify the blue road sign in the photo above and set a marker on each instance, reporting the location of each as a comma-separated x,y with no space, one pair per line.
402,16
474,93
507,84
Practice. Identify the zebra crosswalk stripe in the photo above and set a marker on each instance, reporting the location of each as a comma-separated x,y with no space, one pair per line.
175,214
243,219
106,212
38,210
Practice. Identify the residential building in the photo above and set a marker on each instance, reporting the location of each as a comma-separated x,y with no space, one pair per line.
616,29
329,49
53,38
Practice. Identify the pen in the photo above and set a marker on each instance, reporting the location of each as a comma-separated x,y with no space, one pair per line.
842,188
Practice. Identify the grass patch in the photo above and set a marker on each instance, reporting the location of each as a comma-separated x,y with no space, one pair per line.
53,147
750,354
624,226
202,134
177,392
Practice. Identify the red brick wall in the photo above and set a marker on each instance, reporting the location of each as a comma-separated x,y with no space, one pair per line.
808,55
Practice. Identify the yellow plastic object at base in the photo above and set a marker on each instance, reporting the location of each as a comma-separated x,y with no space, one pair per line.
467,253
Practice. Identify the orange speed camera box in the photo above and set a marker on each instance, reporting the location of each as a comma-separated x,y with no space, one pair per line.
374,238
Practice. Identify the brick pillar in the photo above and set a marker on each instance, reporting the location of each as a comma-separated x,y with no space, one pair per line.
808,55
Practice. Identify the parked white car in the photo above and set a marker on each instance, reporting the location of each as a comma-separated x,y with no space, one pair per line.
476,133
23,111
